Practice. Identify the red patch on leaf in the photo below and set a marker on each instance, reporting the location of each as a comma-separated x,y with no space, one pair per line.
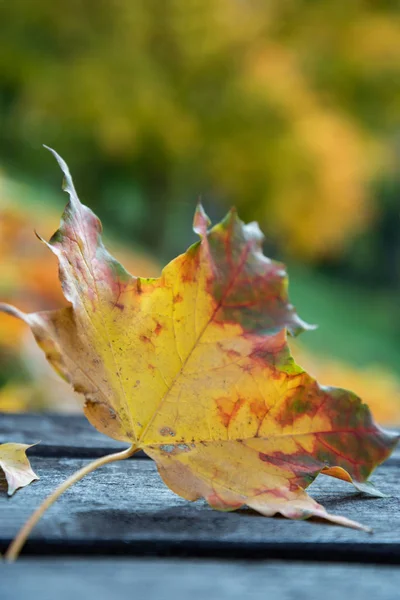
188,277
189,266
158,329
265,457
258,409
228,409
216,501
233,353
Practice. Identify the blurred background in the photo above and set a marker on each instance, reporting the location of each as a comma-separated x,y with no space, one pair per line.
288,109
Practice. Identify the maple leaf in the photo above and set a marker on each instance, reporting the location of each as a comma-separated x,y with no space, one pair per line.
16,466
193,367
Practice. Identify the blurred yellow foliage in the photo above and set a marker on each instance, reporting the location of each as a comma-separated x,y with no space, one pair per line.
42,389
28,272
285,109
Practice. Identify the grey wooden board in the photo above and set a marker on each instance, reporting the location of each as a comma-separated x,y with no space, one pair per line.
167,579
125,508
66,435
59,435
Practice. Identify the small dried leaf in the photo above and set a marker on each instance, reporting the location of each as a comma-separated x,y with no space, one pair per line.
16,466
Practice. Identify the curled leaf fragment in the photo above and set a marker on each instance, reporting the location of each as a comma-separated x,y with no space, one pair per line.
16,466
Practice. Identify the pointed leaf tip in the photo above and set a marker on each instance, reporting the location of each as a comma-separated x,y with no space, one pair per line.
300,327
201,221
68,184
12,311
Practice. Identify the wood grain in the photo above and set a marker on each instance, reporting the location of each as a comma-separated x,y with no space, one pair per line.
59,435
123,523
124,508
168,579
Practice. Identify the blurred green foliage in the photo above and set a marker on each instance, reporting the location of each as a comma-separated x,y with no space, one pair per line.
358,327
288,109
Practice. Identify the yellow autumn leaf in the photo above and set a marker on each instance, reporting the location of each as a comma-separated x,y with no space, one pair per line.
194,368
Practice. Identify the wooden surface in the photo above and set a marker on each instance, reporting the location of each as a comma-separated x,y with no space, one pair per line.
172,579
123,512
58,435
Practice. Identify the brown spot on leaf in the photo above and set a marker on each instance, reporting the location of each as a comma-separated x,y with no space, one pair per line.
158,328
107,420
167,431
178,298
79,389
119,305
145,339
233,353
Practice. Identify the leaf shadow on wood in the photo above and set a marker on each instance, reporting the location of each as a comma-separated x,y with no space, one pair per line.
351,498
188,521
3,484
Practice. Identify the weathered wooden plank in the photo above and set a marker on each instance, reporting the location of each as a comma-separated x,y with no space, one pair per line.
167,579
125,508
59,435
65,435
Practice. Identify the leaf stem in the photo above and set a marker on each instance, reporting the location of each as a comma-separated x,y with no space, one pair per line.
20,539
